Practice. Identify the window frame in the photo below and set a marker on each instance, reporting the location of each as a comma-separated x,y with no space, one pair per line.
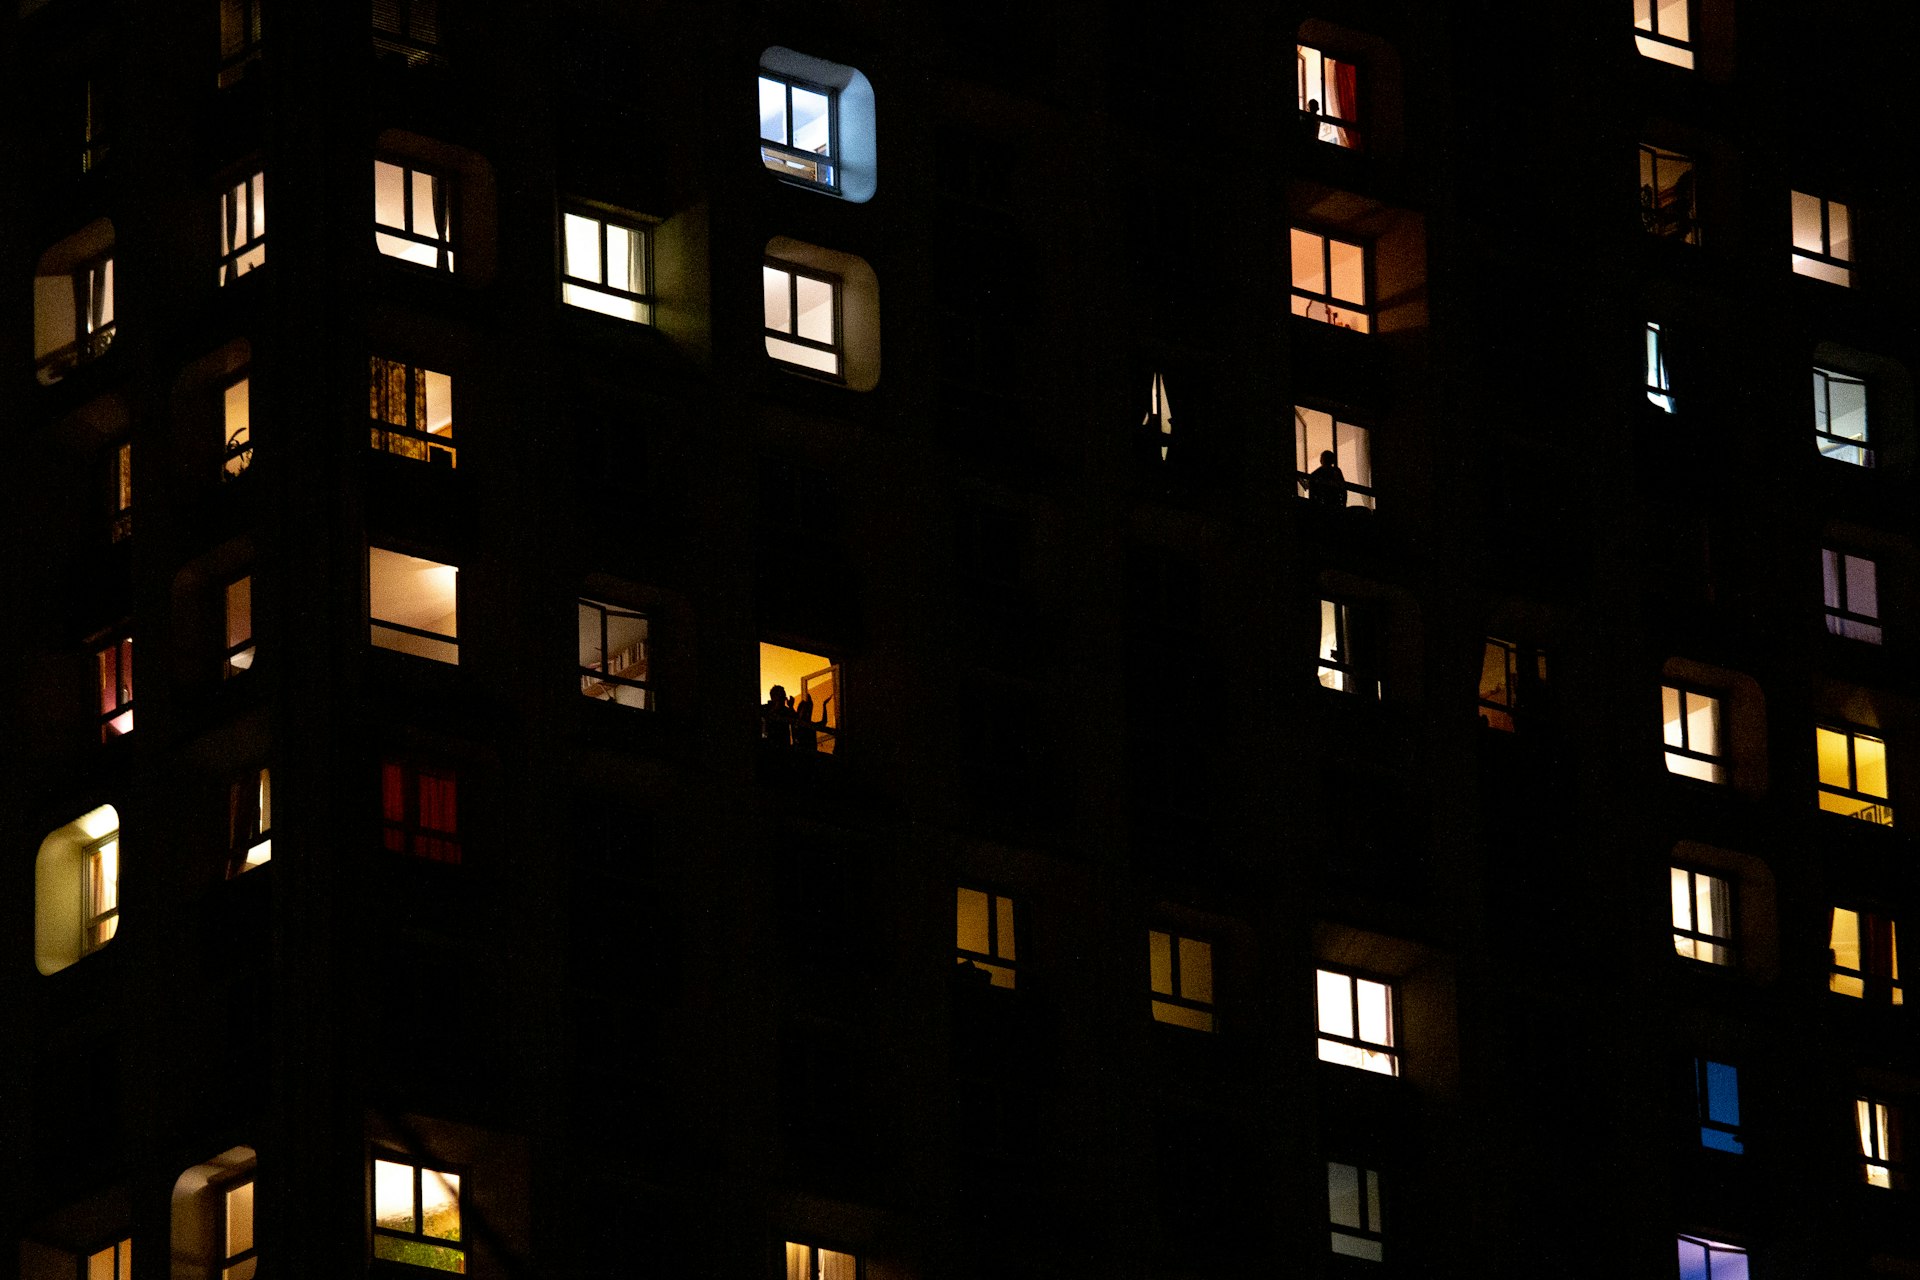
1304,300
1878,974
405,40
645,301
992,962
119,491
814,1269
613,680
376,625
415,432
1659,379
1706,1097
119,1260
244,47
793,159
1387,1051
1824,438
1659,215
406,832
237,443
1173,1006
1708,1249
114,686
1304,453
1319,123
243,206
231,1263
1523,677
1841,621
1353,675
837,347
1689,938
1878,808
419,1167
99,892
1367,1238
244,646
249,826
1649,39
1882,1144
95,322
1718,763
444,198
1822,263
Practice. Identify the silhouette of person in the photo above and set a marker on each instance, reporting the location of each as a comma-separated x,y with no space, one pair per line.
776,718
803,731
1326,484
1310,120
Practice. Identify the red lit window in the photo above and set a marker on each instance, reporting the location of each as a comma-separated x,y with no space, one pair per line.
419,813
115,664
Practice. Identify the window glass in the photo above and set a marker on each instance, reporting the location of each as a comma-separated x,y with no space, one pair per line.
1840,417
804,702
1702,915
243,227
1822,238
1702,1259
416,1216
1717,1095
1353,1209
412,208
1691,730
984,935
605,267
1852,774
236,414
1329,97
1330,280
1317,433
1882,1149
1355,1017
1180,975
413,605
1663,31
1850,591
1667,198
614,655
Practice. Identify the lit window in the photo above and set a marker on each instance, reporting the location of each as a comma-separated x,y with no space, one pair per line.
802,317
1663,30
77,889
412,605
236,454
1353,1210
1865,956
416,1215
1159,419
1667,205
803,709
1853,774
243,227
1711,1260
614,651
798,130
115,1262
1702,915
811,1262
1342,479
420,811
1822,239
239,38
1840,417
414,209
237,1247
113,666
1659,387
249,821
1509,676
1344,660
73,320
412,411
1330,281
1329,96
1850,590
606,266
239,600
1882,1151
1691,730
1181,975
408,30
1716,1092
984,937
120,492
1356,1022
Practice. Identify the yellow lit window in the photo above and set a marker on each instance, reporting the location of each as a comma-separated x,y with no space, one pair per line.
1882,1154
76,883
1668,204
804,706
1180,971
250,821
1330,280
812,1262
1690,727
237,1242
1865,956
416,1215
236,454
1853,774
1356,1022
120,492
1663,30
100,915
1702,915
1158,423
115,1262
239,611
1353,1209
73,319
412,411
1510,678
984,935
1822,239
413,605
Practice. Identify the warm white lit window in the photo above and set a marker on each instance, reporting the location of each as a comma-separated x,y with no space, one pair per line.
1716,1096
984,935
1317,433
1822,239
1840,417
614,649
1180,973
408,30
606,266
236,454
1668,205
1329,96
1690,727
1159,419
1356,1022
77,889
249,821
73,320
412,605
1850,590
1865,956
412,411
243,227
811,1262
1344,662
802,317
798,130
1663,30
1853,774
239,612
416,1215
239,38
804,706
1659,387
1353,1210
1882,1152
1702,915
113,669
241,1258
414,210
115,1262
1330,280
1702,1259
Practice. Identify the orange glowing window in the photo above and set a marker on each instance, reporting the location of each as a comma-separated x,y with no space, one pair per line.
1329,96
1330,280
411,411
1180,973
1864,952
985,936
416,1215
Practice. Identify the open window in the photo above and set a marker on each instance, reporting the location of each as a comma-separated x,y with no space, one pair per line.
1356,1021
817,124
1702,915
249,821
1690,729
239,618
984,937
77,889
1663,30
417,1214
243,227
615,644
606,264
1180,976
412,411
1331,280
1853,774
1822,239
213,1218
1864,956
804,704
414,209
1882,1146
1332,459
1840,417
1850,594
1347,662
413,605
420,810
1669,205
73,318
1329,97
1353,1211
239,39
1659,385
1716,1096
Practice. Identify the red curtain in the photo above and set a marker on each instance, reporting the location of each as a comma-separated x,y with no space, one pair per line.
1346,84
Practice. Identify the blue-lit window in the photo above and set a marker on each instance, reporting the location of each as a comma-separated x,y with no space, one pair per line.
1702,1259
1659,389
1716,1088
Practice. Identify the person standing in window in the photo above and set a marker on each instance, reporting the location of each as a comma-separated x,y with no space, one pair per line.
1326,483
